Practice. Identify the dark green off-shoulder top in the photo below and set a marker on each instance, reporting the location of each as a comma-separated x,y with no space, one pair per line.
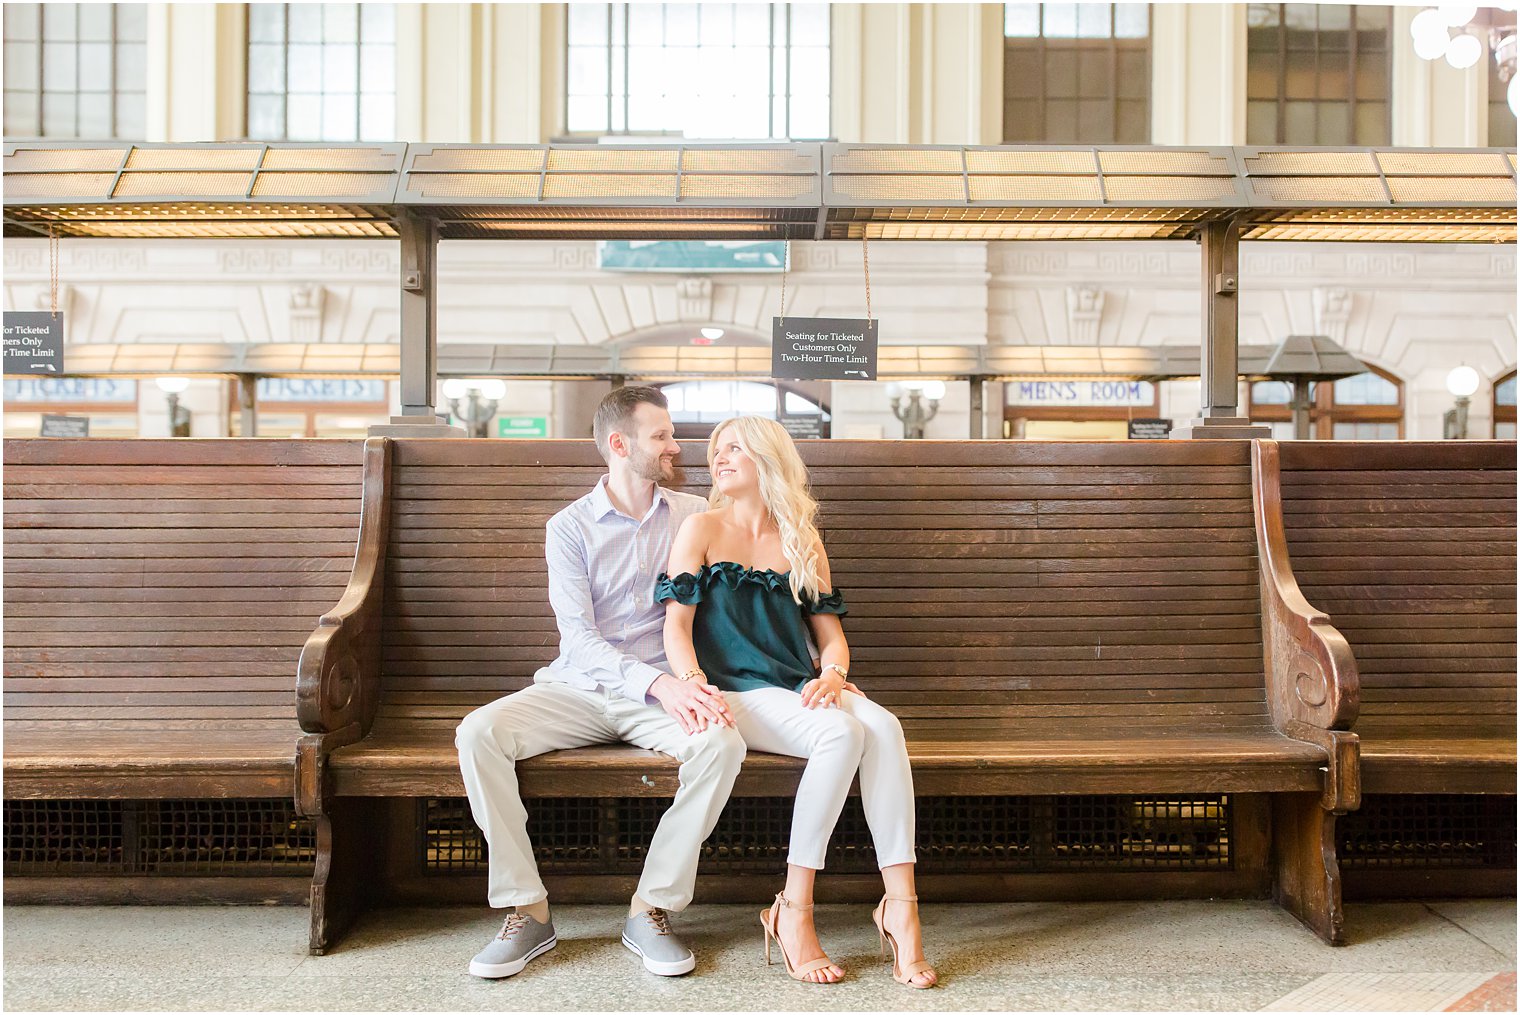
748,631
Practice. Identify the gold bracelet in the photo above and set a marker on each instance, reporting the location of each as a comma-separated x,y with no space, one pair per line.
692,674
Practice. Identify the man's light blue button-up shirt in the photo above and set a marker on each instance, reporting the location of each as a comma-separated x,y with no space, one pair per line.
602,570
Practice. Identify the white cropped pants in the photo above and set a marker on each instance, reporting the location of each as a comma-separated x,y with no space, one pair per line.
552,717
859,735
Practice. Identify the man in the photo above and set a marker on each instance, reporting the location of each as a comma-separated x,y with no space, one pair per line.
610,683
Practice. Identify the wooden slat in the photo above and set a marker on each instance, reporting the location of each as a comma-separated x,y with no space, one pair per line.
1412,552
158,594
115,453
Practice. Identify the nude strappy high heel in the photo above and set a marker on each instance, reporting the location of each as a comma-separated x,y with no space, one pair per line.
905,976
770,920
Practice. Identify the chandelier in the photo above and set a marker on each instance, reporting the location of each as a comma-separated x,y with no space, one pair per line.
1433,39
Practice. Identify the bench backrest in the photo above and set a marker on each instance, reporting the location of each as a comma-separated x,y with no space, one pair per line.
169,583
1410,548
1056,589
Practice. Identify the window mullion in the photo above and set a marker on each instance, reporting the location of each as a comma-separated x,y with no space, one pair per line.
786,84
1282,73
111,83
41,56
285,70
358,68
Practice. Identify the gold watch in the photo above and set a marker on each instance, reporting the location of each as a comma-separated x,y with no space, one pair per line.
843,673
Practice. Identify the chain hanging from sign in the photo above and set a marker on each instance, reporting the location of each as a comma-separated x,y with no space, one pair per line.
865,259
55,244
786,262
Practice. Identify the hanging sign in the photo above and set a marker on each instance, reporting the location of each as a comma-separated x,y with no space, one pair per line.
1150,429
823,349
33,342
65,426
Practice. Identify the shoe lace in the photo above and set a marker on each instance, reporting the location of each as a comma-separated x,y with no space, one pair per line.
659,920
511,925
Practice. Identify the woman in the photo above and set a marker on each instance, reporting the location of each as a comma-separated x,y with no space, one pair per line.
750,579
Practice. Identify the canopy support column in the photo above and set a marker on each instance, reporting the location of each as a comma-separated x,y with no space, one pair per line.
419,333
1219,365
978,409
248,405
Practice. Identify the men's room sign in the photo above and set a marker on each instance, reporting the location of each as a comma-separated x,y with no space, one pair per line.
823,349
33,342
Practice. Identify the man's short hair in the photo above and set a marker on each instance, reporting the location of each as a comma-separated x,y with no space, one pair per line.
616,413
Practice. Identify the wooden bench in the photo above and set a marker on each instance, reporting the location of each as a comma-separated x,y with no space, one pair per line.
1062,618
1410,549
157,595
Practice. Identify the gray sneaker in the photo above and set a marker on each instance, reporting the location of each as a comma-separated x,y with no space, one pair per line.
521,940
649,936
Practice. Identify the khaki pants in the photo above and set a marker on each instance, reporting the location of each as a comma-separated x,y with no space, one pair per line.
552,717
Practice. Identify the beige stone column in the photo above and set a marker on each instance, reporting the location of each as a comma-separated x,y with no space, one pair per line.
1434,104
197,72
1198,74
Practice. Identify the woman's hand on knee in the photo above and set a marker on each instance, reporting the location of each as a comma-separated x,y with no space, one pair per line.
823,690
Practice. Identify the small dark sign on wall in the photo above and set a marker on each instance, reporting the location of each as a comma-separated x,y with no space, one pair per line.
1149,429
823,349
803,427
65,426
33,342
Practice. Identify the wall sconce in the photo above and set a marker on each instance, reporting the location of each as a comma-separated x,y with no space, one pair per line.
1461,382
914,415
479,398
179,416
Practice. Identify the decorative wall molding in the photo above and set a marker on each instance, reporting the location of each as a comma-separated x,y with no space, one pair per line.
306,301
1332,311
362,260
255,260
694,298
1084,312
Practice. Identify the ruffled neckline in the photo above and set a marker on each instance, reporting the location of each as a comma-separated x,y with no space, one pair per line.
688,588
734,574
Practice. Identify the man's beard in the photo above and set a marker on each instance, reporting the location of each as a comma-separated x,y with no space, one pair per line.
653,468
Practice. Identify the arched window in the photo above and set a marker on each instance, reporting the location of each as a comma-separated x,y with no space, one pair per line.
695,406
1367,407
1504,407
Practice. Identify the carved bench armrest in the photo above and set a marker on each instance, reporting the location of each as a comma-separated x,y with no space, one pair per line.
338,678
1312,683
1343,772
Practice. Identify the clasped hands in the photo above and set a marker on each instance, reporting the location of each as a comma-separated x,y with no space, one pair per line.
696,704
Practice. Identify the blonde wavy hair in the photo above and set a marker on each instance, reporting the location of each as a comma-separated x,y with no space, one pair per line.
783,490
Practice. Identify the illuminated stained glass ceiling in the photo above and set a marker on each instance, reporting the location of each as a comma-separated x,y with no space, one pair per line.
768,191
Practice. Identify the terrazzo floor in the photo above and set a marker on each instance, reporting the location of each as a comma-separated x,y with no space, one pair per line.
1145,956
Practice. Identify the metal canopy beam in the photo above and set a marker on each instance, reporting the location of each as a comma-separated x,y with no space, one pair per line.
793,191
421,193
558,362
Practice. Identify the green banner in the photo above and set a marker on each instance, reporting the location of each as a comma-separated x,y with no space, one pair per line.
522,426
